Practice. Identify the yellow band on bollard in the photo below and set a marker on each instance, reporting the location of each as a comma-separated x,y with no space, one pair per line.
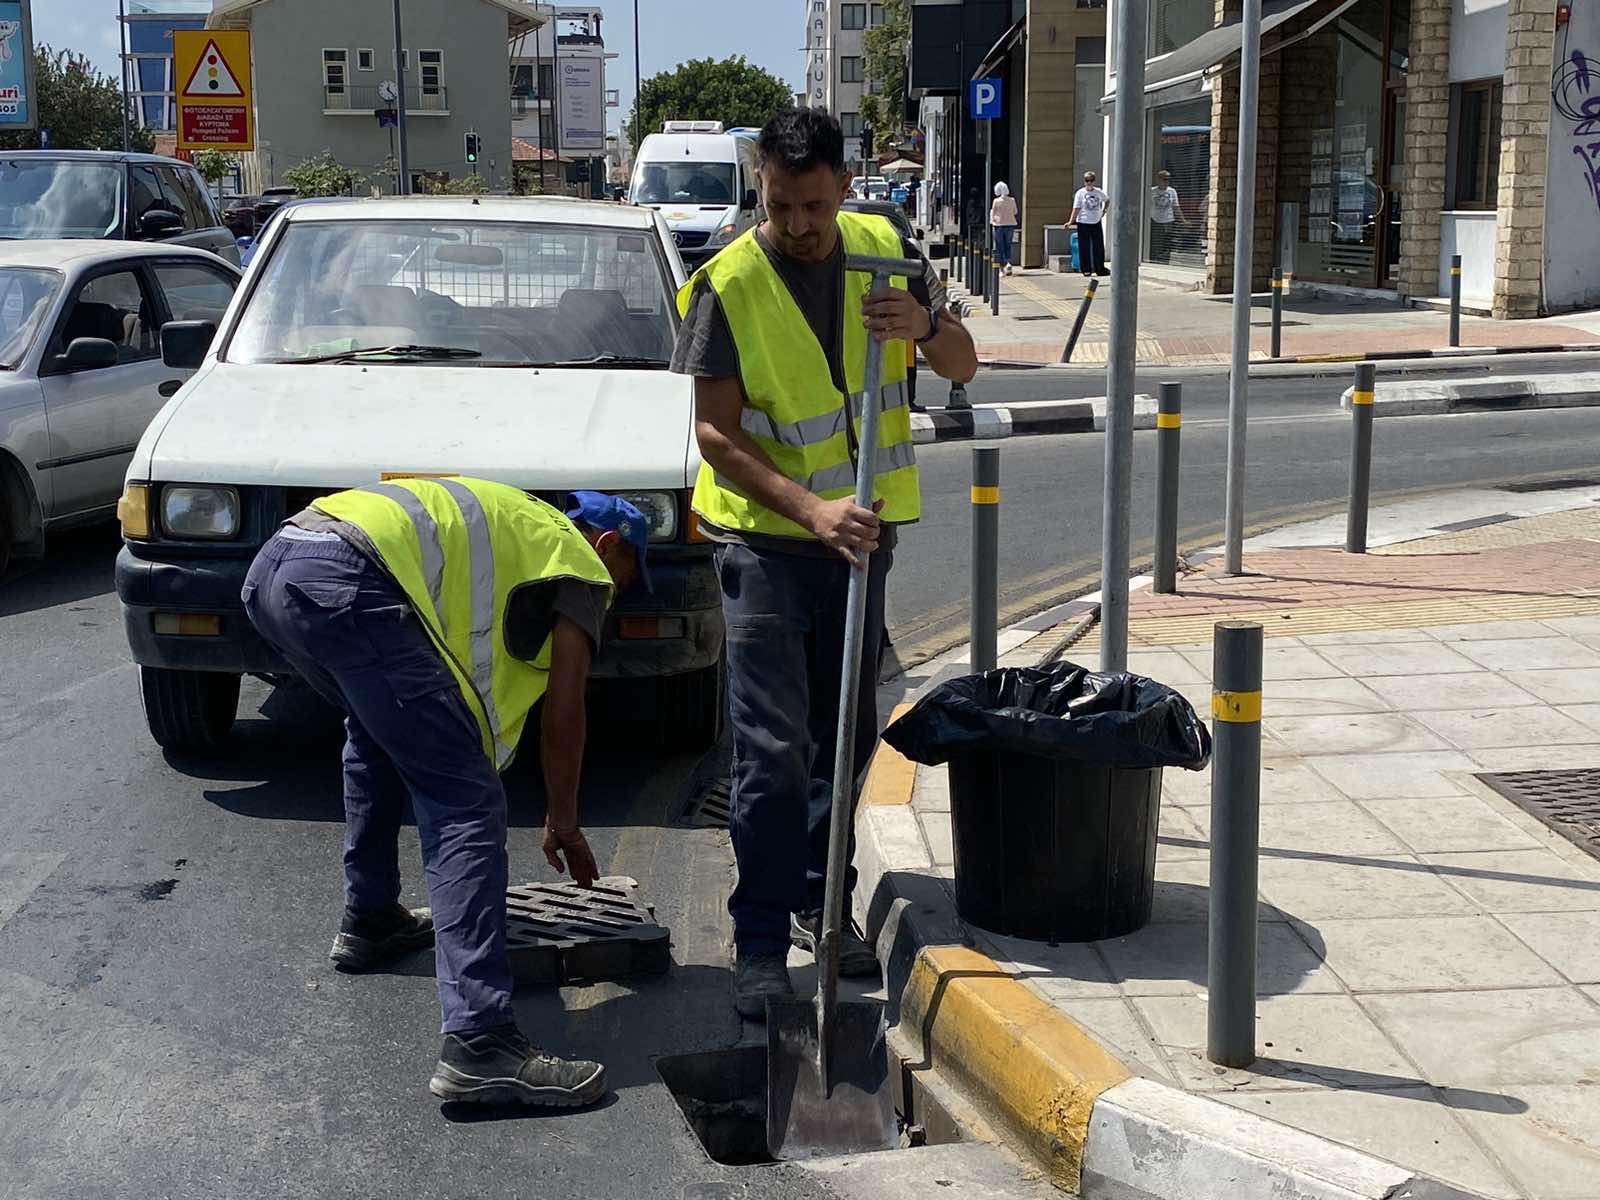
1168,420
1277,285
1455,270
1360,397
1238,708
985,495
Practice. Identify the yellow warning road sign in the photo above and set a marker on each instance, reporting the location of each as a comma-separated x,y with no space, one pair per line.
216,108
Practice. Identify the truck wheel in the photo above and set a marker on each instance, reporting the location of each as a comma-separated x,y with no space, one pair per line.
189,712
690,708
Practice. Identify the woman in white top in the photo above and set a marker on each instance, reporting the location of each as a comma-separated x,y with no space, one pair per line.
1166,212
1003,221
1088,212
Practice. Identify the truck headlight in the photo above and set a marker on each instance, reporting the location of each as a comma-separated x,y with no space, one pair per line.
200,512
660,509
724,235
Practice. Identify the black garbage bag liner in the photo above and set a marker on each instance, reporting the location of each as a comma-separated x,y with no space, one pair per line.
1060,711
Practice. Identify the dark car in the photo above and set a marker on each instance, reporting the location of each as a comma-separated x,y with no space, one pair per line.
270,201
239,215
103,194
887,208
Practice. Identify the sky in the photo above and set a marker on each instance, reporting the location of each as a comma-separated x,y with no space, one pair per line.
767,32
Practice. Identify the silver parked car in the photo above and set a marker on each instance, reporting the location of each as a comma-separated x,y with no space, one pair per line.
81,372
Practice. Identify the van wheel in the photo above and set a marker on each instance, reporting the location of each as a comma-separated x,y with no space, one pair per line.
690,708
189,712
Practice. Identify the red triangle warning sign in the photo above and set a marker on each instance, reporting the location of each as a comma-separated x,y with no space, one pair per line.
211,77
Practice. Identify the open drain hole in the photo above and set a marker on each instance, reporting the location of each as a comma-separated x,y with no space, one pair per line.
723,1096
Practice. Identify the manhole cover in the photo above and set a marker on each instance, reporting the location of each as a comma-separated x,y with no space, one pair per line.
1567,801
712,806
1038,317
560,932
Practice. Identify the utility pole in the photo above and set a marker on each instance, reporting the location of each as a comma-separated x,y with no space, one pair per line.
1244,226
400,110
1127,190
638,88
122,25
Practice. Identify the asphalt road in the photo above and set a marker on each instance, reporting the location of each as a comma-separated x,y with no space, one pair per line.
1298,465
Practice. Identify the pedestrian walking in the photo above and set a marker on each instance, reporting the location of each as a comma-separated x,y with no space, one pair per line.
775,334
1003,223
1089,207
436,613
1166,214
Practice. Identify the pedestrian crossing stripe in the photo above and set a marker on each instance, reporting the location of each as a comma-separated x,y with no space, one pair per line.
211,76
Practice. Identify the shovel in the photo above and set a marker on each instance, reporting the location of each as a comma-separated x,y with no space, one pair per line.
827,1060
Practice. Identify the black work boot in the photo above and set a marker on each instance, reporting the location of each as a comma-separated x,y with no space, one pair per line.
368,940
756,977
857,960
500,1066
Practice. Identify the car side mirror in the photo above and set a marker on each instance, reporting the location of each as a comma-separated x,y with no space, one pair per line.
184,343
920,233
750,201
157,222
88,354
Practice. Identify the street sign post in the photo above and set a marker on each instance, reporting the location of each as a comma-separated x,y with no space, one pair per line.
19,108
216,105
986,103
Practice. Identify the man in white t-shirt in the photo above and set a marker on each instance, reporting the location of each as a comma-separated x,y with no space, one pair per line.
1089,207
1166,213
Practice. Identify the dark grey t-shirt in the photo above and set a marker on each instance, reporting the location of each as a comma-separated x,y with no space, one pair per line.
706,349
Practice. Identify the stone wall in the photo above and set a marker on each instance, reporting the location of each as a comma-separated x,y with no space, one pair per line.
1223,210
1427,133
1524,153
1049,133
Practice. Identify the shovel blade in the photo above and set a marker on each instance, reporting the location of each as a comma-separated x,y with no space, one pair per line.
808,1118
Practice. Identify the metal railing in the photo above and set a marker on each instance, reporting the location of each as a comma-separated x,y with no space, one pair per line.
364,98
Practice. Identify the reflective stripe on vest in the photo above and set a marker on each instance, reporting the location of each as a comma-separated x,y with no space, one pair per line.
482,575
427,538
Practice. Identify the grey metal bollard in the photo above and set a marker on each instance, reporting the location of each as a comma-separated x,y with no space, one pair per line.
1169,421
1089,290
1235,842
977,276
985,608
958,397
1455,300
1355,528
961,259
1277,312
994,290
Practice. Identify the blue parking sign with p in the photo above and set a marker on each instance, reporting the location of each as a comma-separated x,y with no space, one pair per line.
983,99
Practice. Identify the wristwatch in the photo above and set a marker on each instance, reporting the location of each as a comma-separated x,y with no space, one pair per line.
933,324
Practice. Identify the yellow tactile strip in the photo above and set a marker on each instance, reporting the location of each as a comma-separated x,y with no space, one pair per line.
892,776
1546,527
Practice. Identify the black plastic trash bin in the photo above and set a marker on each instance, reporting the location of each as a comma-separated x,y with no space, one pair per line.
1055,793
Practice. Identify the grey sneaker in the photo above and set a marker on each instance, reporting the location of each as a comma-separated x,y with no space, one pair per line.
857,960
368,940
757,977
500,1066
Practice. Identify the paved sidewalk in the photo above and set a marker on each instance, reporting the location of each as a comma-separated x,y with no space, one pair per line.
1429,952
1184,327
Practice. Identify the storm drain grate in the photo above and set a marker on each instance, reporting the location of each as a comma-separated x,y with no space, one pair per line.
1567,801
1038,317
560,933
712,808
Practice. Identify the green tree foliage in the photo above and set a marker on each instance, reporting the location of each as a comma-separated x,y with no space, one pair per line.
732,91
213,165
885,48
323,175
80,107
466,185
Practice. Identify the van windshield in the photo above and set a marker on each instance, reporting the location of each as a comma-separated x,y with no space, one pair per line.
61,198
683,183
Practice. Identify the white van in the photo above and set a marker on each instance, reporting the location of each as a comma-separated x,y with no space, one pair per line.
702,179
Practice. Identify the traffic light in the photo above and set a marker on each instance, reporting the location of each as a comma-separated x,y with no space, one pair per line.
474,143
866,142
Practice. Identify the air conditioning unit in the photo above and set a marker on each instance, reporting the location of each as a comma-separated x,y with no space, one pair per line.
691,127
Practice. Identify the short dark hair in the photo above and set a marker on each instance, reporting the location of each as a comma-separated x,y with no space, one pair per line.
798,139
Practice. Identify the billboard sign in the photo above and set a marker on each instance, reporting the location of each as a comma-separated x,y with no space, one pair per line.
19,107
583,103
216,110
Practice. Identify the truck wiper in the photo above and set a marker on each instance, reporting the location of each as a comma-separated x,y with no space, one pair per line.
408,351
611,360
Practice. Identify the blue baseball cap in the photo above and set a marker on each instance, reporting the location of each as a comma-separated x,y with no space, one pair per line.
614,514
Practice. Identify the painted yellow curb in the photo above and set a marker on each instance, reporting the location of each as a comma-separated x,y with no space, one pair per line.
1028,1066
891,776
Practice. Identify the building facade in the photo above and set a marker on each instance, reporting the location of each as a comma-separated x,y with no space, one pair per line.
559,100
322,71
836,64
150,25
1392,135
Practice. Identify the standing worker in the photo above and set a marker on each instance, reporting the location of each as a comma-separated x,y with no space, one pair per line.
1088,214
1003,220
775,333
437,613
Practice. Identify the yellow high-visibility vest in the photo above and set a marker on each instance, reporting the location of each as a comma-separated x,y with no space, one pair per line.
792,409
460,548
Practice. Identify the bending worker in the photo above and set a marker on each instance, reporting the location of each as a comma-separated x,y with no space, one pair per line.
436,613
775,333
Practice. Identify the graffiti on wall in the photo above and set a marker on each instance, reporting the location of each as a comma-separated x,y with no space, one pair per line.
1575,94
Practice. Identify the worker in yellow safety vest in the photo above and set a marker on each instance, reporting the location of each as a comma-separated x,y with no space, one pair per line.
775,335
437,612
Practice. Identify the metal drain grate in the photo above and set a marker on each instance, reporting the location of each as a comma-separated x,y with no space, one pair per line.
713,807
1567,801
559,932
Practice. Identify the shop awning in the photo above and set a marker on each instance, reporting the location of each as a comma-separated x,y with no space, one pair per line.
1181,74
1001,48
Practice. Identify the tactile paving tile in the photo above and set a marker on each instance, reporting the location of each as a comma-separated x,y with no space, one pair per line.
562,933
1567,801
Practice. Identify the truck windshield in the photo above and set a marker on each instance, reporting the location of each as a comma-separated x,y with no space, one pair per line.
463,293
60,198
683,183
25,297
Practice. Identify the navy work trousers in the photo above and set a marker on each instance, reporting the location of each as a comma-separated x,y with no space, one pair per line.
348,629
785,615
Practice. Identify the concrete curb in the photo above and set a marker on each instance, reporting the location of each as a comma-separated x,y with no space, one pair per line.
1575,389
990,421
1051,1089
